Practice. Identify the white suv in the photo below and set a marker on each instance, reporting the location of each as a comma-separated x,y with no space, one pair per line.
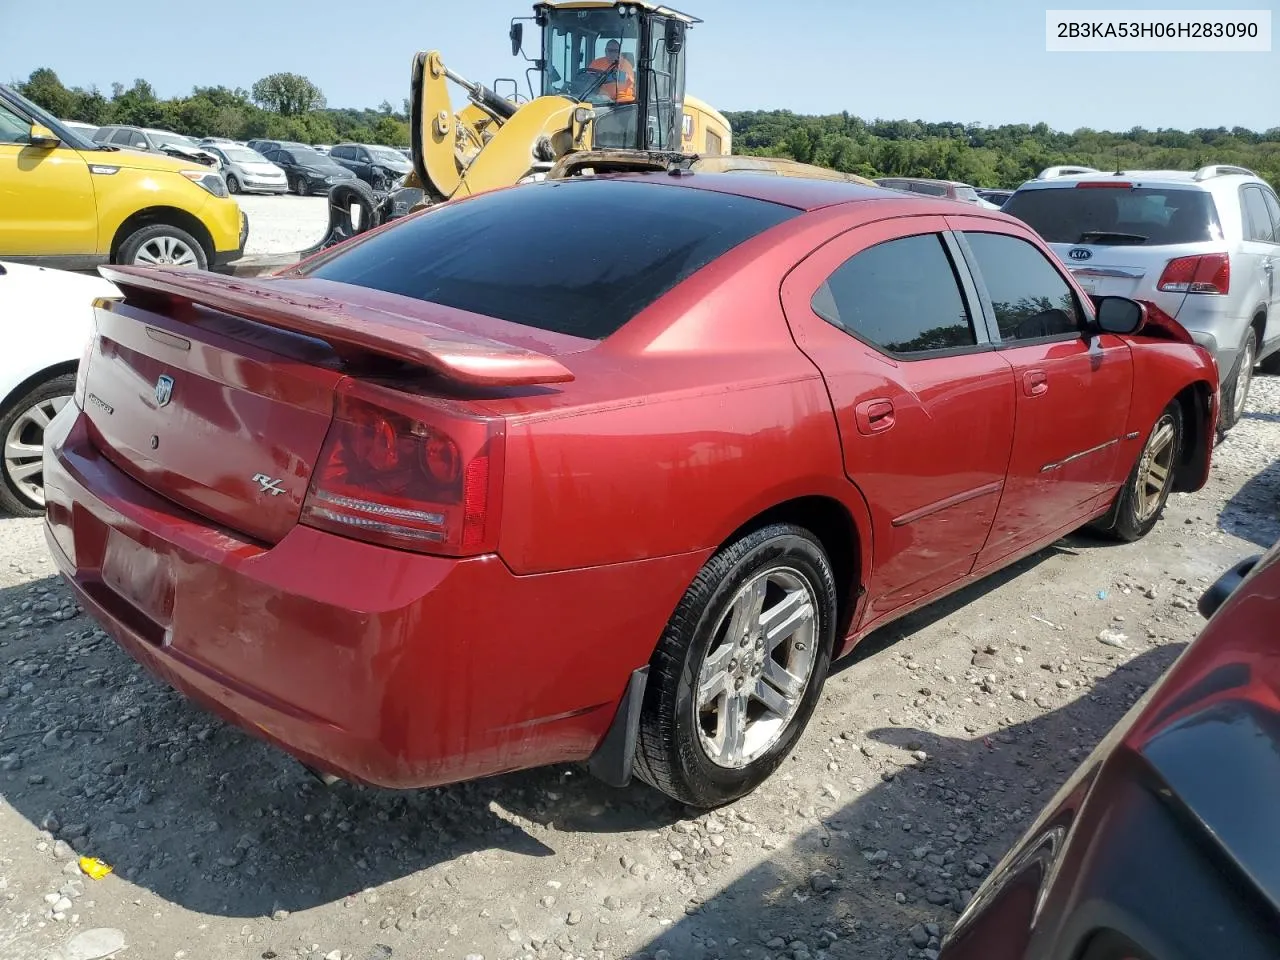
1202,246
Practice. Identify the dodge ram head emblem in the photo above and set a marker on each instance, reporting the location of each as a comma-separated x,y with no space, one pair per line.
1080,253
164,390
268,485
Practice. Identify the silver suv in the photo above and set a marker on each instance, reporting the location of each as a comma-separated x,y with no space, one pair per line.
1202,246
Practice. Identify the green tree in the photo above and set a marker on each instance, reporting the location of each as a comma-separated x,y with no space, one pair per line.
288,94
45,89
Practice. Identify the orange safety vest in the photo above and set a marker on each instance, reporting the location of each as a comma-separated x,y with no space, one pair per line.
621,85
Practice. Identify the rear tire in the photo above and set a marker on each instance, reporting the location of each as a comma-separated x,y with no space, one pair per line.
720,713
22,427
1141,501
1235,394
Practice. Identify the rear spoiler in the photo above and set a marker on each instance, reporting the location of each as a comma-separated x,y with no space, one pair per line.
351,329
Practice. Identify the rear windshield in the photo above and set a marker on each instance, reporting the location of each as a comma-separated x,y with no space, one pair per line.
580,257
1138,216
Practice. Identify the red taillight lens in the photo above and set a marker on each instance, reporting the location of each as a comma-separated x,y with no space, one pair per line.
1210,273
408,473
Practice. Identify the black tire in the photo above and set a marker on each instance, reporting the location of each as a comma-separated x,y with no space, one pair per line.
134,243
1126,522
1228,416
15,501
669,753
233,183
300,186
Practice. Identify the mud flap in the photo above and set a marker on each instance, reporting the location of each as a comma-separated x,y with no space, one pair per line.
612,760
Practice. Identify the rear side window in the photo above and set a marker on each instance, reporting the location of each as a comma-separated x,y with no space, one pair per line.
580,257
1273,208
1138,216
1257,217
901,296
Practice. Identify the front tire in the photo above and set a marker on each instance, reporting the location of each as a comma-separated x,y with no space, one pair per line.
1141,501
22,426
233,183
300,187
162,245
739,669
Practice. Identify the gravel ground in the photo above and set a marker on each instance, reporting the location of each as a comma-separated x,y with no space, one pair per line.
929,754
283,224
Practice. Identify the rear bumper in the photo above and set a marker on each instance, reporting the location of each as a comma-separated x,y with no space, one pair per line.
375,665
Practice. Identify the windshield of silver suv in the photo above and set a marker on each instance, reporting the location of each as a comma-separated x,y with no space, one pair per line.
1107,213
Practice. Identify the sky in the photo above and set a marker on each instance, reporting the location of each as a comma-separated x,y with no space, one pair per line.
980,62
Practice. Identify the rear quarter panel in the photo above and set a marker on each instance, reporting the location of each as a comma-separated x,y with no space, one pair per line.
694,418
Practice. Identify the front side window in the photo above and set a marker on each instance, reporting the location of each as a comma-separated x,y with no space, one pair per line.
579,256
1031,299
13,128
901,296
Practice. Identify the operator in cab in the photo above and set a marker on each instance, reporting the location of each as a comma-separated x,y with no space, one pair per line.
620,85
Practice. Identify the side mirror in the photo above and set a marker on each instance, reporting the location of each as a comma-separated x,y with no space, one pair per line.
517,38
675,37
1120,315
43,137
140,144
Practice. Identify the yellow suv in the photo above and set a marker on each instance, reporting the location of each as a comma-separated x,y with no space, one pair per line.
68,202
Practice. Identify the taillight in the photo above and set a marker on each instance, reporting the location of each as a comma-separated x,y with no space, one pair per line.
408,473
1210,273
1104,185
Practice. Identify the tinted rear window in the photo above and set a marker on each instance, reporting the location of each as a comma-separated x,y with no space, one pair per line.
1141,216
580,257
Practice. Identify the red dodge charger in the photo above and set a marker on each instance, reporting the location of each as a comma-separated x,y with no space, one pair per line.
604,469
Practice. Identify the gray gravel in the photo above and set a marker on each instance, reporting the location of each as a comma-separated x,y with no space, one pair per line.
283,224
928,755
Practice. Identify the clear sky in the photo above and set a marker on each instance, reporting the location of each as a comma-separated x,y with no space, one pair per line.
933,60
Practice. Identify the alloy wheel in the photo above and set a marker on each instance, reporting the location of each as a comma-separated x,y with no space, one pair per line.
1155,469
24,448
758,667
169,251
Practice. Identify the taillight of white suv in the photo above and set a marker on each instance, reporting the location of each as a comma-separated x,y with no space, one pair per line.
1206,273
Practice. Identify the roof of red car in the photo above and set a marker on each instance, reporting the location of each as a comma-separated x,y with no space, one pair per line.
798,192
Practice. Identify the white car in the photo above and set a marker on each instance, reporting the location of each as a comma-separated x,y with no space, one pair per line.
47,317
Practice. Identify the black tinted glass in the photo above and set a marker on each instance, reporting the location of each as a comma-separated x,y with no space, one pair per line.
901,295
580,257
1031,299
1140,216
1273,208
1257,217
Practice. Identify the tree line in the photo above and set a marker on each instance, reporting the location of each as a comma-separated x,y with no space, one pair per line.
287,106
282,106
1002,156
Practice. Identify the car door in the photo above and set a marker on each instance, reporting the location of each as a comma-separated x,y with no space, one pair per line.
47,205
923,403
1273,264
1261,246
1073,386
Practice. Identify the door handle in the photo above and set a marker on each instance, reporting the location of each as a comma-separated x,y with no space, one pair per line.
1035,383
874,416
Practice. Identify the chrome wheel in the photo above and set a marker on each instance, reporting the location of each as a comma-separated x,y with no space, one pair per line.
24,448
757,668
1155,469
1244,377
164,250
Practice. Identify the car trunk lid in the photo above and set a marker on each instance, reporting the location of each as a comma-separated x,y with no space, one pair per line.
217,393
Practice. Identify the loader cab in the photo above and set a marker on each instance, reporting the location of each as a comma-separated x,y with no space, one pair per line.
627,60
